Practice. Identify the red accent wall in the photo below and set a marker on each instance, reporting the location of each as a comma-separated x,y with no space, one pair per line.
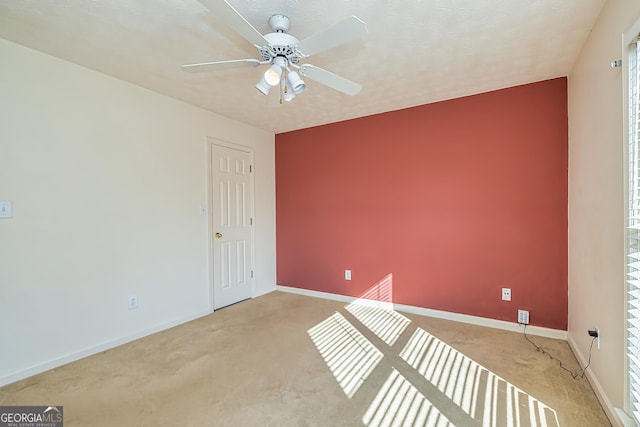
454,200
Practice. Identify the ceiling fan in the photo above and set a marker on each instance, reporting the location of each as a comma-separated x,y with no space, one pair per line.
284,53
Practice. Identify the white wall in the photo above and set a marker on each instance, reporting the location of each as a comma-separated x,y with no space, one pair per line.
106,180
596,201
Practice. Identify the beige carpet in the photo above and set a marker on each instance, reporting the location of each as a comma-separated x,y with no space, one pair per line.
290,360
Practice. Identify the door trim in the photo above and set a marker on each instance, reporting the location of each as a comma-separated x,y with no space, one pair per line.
210,143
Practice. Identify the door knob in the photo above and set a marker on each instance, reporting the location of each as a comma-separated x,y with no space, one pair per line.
218,235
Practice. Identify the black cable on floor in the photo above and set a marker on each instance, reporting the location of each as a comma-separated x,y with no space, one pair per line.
574,375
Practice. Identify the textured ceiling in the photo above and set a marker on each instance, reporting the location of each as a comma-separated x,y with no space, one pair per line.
416,51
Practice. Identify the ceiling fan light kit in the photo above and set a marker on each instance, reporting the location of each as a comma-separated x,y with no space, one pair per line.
282,51
273,73
287,94
296,83
263,86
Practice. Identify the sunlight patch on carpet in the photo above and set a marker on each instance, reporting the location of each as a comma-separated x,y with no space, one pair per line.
383,321
399,403
476,390
348,354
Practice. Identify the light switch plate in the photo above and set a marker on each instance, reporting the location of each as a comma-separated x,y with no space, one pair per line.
6,209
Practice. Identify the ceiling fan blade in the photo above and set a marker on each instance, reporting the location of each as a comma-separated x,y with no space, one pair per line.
234,20
343,32
219,65
327,78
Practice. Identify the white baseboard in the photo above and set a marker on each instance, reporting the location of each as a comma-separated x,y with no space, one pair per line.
457,317
617,416
625,420
34,370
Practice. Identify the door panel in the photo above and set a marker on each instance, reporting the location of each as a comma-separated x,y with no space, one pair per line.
232,228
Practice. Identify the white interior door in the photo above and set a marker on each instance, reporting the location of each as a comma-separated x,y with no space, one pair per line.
232,225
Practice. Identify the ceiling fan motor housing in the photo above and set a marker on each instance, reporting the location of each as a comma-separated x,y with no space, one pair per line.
280,44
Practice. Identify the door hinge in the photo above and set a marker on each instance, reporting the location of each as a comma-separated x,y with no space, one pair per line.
250,168
252,274
250,221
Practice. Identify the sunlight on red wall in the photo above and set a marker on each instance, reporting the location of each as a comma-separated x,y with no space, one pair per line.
456,199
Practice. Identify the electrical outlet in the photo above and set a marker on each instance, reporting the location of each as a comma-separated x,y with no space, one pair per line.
6,209
347,275
133,301
595,333
506,294
523,317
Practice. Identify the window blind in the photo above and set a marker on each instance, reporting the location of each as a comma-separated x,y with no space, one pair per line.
633,234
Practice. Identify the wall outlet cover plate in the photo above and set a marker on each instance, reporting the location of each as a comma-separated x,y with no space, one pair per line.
523,317
6,209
